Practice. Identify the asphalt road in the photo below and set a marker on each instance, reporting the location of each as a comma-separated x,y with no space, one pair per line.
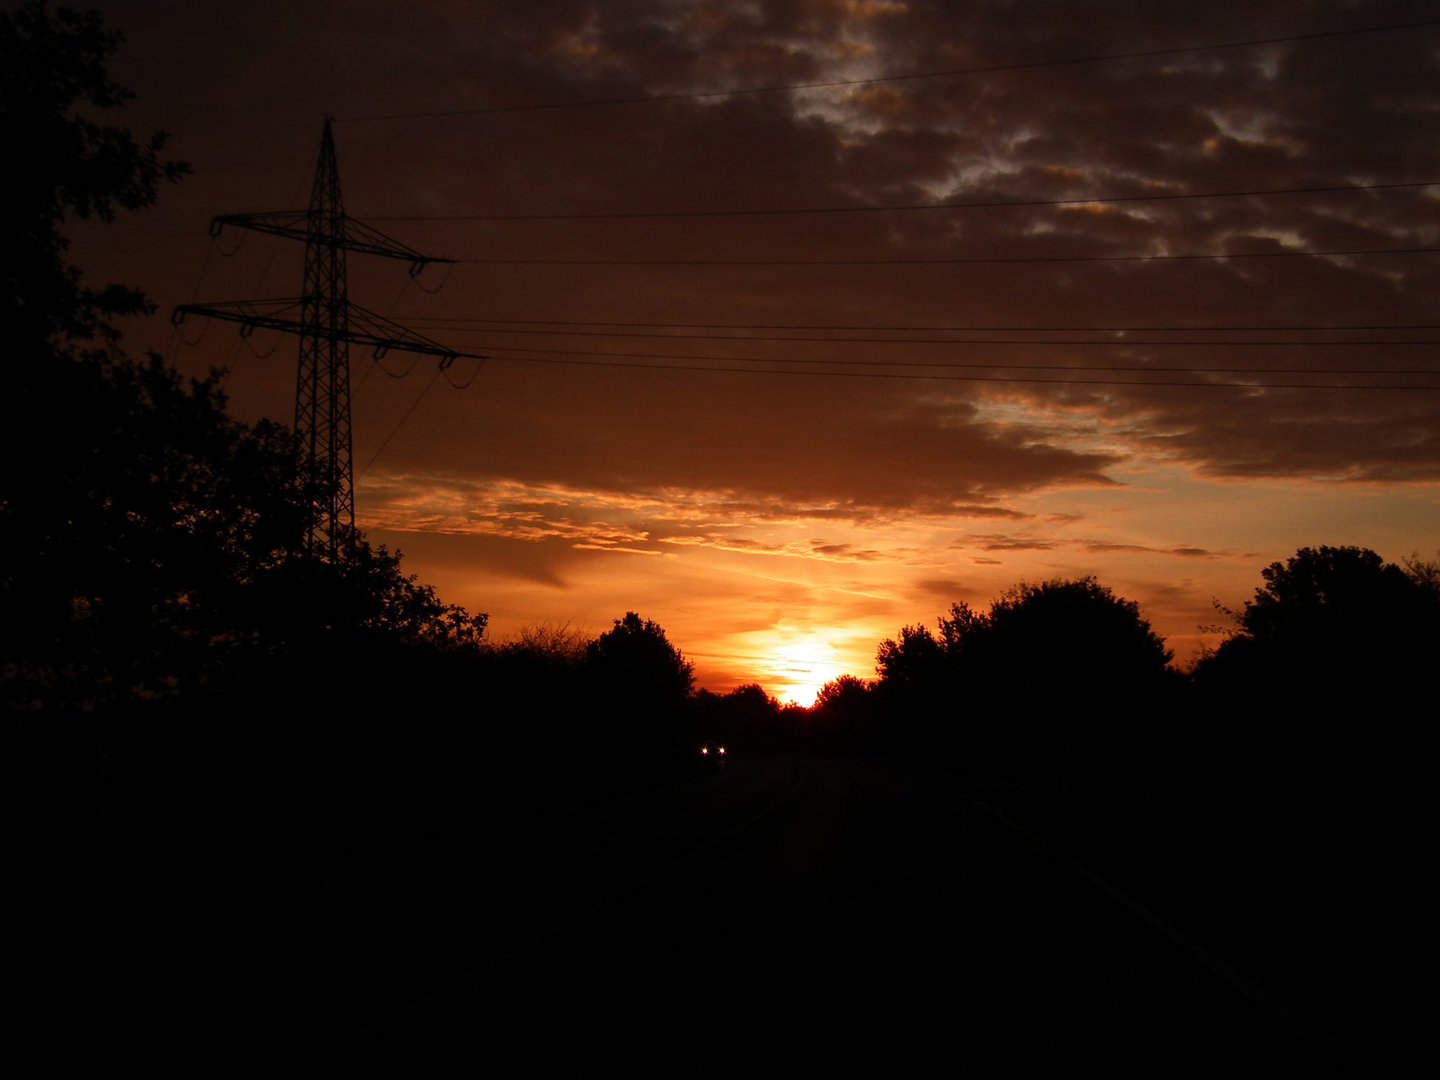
844,919
777,916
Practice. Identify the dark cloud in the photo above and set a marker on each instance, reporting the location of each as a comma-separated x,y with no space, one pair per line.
943,587
998,542
1097,547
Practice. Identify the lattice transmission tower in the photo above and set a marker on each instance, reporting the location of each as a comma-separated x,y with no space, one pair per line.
328,324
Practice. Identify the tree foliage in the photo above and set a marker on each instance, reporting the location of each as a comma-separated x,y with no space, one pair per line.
1322,596
842,692
1011,680
1318,699
912,660
1331,621
130,548
53,83
636,659
1073,634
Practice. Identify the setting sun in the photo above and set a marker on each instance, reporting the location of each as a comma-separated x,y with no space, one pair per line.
801,667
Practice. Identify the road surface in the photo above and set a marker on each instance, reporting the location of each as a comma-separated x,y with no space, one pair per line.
778,916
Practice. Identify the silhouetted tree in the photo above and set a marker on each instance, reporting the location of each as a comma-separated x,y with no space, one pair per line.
913,699
53,80
1321,594
641,681
842,713
751,718
1315,699
535,694
1425,573
841,692
1067,667
1058,668
135,549
914,660
636,654
559,643
961,629
1332,620
1075,634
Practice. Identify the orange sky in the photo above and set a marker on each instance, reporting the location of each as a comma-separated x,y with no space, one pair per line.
781,516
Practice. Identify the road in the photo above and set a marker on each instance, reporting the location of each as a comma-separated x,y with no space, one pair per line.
780,915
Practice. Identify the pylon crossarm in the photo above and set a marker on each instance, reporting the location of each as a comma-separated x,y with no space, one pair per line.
291,224
361,237
384,335
296,225
365,327
267,314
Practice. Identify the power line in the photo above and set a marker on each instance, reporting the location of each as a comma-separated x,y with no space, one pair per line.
396,429
967,328
896,207
851,340
953,378
957,261
954,363
783,88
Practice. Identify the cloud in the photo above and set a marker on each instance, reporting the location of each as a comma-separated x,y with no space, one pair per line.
1098,547
864,458
1001,542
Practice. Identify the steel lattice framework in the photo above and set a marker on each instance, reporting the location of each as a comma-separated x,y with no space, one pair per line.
328,324
322,385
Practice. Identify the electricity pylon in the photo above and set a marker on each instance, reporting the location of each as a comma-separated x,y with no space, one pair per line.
328,324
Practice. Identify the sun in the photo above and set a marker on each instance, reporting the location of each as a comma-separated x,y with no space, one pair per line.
801,667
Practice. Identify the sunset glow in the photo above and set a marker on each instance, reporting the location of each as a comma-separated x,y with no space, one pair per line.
783,435
801,668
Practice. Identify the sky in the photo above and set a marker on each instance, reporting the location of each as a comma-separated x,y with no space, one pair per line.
781,400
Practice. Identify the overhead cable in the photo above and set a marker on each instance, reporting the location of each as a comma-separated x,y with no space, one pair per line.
989,204
960,260
829,361
1209,385
1117,343
831,84
499,324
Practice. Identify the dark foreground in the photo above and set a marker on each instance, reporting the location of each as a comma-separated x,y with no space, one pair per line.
779,915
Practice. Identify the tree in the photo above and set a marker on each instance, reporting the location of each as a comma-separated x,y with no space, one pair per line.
1425,573
635,659
1325,597
84,551
1331,621
639,687
961,629
843,714
1010,681
842,693
135,547
53,79
1065,668
913,661
1313,701
1075,635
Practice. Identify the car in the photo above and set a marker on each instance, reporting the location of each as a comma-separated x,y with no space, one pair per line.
713,752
